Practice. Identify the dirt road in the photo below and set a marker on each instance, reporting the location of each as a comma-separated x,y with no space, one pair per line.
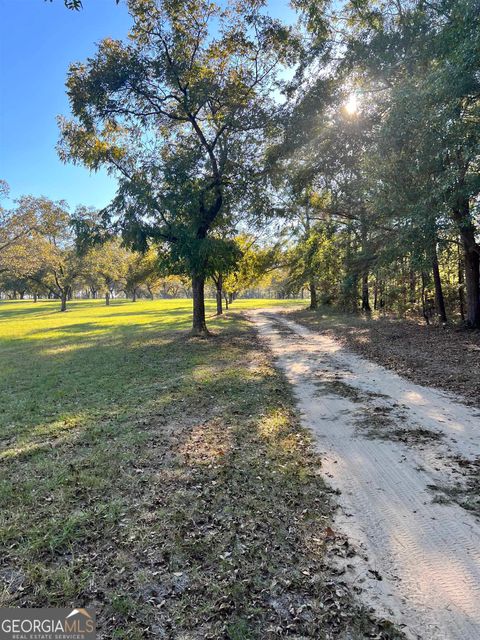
397,452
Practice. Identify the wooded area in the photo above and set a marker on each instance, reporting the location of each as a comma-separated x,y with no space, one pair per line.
351,138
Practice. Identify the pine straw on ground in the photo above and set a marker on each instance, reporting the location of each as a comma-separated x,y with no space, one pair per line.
207,518
447,358
465,491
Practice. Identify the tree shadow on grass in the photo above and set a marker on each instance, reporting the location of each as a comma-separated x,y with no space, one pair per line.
13,311
190,512
79,458
87,368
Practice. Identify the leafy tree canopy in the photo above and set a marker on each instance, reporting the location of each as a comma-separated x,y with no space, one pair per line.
178,114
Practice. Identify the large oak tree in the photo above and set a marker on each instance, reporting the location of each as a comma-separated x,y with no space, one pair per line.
178,115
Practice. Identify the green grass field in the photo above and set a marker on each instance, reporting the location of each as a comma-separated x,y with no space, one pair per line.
159,478
66,371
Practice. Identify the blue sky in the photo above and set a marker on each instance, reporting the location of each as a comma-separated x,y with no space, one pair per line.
38,41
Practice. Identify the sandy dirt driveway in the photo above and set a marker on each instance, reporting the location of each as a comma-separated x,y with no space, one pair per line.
394,450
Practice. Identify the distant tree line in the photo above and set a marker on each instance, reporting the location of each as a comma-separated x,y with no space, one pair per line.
43,254
40,257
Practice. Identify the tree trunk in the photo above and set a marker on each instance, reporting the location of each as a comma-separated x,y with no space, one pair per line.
424,300
365,250
413,287
472,285
375,295
199,326
351,282
313,296
439,299
461,286
365,293
219,285
69,293
466,228
226,301
107,298
34,297
134,295
63,298
403,281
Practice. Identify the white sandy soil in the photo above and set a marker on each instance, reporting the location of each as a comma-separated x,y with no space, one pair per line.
418,560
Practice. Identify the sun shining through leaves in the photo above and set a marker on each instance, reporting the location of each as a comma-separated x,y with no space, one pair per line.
351,105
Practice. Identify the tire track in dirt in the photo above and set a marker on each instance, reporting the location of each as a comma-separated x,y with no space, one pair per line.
426,554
